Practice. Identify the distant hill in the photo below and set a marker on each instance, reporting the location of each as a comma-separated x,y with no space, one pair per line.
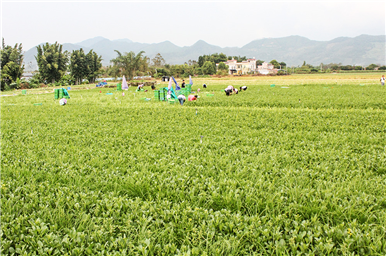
293,50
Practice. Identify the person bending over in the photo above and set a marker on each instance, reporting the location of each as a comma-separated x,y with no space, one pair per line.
243,88
181,99
192,97
229,90
140,86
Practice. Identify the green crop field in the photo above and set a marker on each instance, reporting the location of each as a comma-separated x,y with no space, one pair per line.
298,168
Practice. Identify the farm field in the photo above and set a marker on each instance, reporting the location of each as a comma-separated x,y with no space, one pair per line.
298,168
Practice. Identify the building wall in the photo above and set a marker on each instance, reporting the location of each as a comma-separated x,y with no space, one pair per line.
266,68
243,67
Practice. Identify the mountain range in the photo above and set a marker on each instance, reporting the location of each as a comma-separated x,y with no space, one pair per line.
293,50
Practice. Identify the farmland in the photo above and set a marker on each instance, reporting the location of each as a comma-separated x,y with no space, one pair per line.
295,168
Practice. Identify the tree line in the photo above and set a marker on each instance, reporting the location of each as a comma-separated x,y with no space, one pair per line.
58,67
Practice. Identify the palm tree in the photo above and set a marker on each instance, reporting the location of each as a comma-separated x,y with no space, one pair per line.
128,63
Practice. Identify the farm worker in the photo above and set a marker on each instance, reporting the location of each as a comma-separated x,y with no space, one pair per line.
153,87
383,80
229,90
204,86
192,97
181,98
183,84
140,86
243,88
198,90
236,91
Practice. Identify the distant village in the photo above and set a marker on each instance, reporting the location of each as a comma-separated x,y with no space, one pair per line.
249,66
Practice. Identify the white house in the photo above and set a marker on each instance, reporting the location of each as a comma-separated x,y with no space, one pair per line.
266,68
244,67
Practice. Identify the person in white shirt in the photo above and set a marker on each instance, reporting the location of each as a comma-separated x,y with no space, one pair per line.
229,90
140,86
243,88
383,80
181,98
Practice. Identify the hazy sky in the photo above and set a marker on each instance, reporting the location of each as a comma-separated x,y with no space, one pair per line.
222,23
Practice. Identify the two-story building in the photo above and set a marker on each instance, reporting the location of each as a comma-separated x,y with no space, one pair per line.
244,67
266,68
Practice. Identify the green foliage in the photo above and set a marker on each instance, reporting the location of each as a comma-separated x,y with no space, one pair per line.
78,65
129,63
358,67
222,66
347,67
35,80
259,62
52,62
68,79
215,58
280,171
371,67
158,61
222,72
275,63
238,58
382,68
94,65
11,65
113,71
84,66
208,69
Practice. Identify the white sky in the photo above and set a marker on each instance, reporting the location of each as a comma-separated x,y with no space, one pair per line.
221,23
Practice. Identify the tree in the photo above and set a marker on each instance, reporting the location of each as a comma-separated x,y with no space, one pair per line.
223,66
129,63
94,65
201,60
78,65
259,62
358,67
52,61
158,61
207,68
275,63
382,68
239,58
85,65
11,64
371,67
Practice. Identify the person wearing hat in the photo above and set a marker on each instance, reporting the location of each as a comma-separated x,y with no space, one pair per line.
383,80
204,86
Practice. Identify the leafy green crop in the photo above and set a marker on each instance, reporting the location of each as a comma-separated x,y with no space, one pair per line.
279,171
